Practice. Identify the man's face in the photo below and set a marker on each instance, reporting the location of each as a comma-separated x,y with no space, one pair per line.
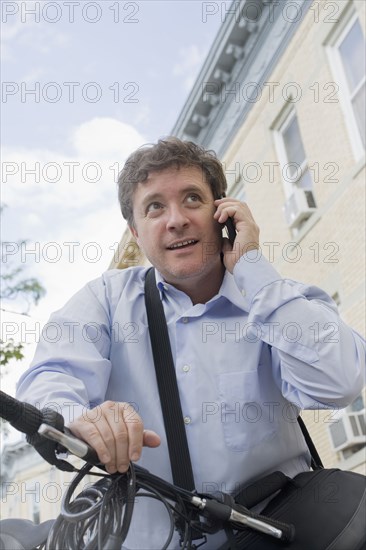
174,225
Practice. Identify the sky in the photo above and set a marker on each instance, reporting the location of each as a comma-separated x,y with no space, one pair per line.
83,85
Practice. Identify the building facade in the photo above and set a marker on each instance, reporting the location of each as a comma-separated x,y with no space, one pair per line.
30,488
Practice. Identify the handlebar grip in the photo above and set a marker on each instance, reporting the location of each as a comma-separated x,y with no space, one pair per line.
287,529
67,440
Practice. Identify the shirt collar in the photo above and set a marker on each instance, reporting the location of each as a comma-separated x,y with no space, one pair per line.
231,292
228,290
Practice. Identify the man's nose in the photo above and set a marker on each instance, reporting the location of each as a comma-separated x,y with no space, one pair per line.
177,218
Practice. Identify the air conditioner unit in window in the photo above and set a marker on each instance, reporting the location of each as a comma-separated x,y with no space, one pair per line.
299,206
348,430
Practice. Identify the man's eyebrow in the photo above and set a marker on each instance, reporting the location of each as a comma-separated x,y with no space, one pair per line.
151,198
191,188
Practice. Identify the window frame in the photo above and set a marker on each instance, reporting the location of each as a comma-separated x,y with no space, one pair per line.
336,65
285,120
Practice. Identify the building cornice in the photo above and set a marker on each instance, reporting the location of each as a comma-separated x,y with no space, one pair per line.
247,48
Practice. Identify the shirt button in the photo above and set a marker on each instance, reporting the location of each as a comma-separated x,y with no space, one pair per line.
186,368
185,319
243,293
187,420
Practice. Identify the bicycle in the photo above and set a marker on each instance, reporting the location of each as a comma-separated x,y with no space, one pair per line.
99,517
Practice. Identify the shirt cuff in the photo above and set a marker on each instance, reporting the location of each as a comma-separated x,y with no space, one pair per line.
253,272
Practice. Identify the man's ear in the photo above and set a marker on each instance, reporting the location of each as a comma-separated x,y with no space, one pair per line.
134,233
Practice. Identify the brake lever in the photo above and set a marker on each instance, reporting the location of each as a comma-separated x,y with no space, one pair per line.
69,442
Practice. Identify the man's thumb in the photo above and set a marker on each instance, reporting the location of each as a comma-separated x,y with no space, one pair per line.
151,439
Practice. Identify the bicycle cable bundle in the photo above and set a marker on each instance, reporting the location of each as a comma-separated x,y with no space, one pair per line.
99,517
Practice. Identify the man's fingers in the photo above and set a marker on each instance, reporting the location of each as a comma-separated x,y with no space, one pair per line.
134,426
117,435
89,432
247,231
228,207
151,439
226,211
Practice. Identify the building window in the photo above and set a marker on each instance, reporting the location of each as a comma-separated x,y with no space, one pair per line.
296,177
296,170
347,57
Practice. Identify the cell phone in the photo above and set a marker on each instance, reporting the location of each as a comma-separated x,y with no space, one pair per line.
230,227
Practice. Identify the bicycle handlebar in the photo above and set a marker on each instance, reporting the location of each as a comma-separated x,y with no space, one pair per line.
200,512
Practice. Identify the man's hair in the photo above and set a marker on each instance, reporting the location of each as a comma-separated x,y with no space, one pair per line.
170,152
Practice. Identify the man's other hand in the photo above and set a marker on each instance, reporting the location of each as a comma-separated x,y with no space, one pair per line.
116,432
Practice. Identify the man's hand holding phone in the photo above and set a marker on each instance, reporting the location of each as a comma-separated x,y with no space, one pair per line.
247,237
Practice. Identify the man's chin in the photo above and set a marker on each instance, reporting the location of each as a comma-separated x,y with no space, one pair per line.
182,274
188,270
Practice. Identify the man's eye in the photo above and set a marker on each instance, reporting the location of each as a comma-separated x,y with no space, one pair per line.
193,198
154,207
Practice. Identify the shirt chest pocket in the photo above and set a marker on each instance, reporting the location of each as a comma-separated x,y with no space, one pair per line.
247,416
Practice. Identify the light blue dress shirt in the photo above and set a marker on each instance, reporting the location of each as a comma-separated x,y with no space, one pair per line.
246,362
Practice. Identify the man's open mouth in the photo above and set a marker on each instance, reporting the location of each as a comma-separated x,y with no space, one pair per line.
182,244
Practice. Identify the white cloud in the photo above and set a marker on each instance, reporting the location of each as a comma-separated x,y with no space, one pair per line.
49,179
105,137
83,251
54,214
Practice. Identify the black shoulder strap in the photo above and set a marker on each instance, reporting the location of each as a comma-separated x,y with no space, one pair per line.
180,459
316,461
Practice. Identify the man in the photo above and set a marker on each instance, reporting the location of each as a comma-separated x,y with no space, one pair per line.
242,378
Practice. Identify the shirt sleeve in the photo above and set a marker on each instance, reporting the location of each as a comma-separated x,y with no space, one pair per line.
318,360
71,366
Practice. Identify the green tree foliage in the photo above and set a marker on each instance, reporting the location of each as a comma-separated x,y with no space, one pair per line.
10,350
12,287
